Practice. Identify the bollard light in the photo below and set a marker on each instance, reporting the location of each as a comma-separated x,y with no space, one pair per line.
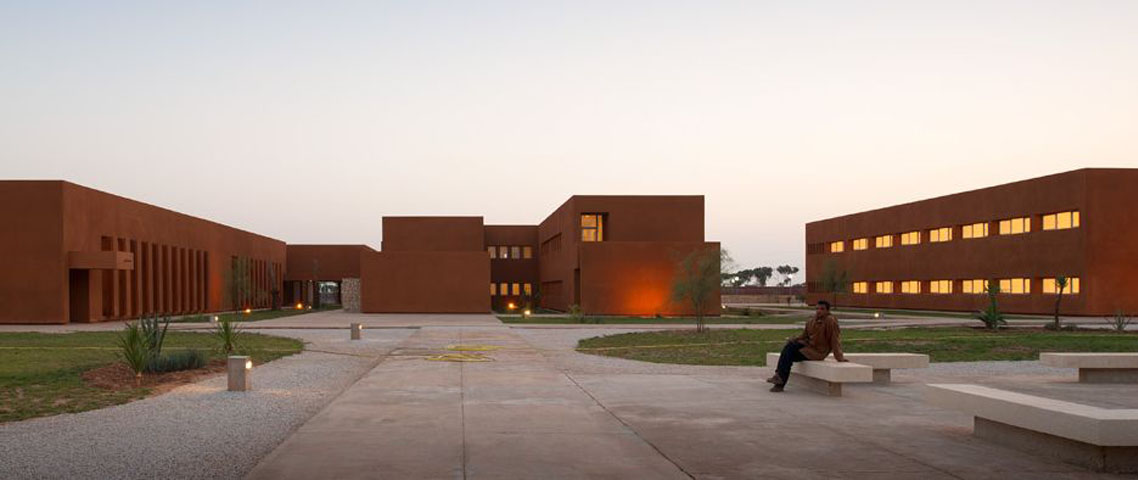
248,311
299,306
240,373
357,331
213,319
525,313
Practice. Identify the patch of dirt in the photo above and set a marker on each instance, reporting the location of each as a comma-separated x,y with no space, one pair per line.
117,377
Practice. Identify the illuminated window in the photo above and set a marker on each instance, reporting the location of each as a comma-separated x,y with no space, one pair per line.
884,241
940,286
1050,286
515,252
976,230
527,288
1015,226
493,289
527,252
974,286
592,227
910,238
883,287
861,287
503,252
493,251
837,247
861,244
1015,286
504,289
911,286
517,290
940,234
1061,221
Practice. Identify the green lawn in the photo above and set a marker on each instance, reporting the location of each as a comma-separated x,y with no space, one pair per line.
251,317
40,374
616,320
957,344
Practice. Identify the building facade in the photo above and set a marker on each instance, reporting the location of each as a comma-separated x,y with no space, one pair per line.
941,253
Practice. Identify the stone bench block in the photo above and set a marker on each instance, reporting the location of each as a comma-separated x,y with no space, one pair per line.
1097,367
827,376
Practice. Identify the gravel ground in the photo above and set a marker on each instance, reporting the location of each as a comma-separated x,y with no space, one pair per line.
198,430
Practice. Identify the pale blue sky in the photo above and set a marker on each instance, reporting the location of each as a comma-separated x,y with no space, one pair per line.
309,121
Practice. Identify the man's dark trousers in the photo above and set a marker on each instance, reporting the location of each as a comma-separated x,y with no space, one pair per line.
790,354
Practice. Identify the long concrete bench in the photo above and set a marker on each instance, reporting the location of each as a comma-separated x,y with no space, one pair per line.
1098,438
884,363
826,376
1097,367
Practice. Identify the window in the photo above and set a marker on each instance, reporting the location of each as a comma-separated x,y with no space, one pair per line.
837,247
493,289
940,286
503,252
1015,226
504,289
493,251
911,286
911,238
527,252
861,244
883,287
1015,286
1061,220
976,230
942,234
592,227
517,290
884,241
515,252
861,287
527,289
1051,287
974,286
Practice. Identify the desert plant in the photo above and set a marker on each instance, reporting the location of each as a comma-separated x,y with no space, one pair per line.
1060,284
575,313
697,278
1119,321
154,332
992,317
134,349
228,336
177,361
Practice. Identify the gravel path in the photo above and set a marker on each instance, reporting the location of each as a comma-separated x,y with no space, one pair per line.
198,430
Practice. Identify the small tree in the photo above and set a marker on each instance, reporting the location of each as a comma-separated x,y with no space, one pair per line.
238,280
697,277
762,274
992,317
1061,284
834,281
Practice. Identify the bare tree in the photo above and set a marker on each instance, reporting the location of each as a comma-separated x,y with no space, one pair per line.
697,277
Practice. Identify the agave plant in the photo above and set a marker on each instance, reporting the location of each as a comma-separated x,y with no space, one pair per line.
228,335
134,349
992,317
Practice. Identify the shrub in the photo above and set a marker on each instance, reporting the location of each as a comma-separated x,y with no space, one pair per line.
575,313
177,361
228,336
134,349
1119,321
992,317
155,337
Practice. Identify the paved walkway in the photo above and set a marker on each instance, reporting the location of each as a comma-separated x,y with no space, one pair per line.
516,417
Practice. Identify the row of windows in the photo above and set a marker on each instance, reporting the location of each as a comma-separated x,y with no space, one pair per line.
508,252
1010,226
1013,286
513,289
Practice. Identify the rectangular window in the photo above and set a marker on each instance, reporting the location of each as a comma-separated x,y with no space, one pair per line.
517,290
527,289
883,287
861,287
942,234
911,286
515,253
861,244
911,238
503,252
1015,286
1051,287
884,241
493,251
493,289
527,252
837,247
975,230
940,286
592,227
1015,226
504,289
1061,220
974,286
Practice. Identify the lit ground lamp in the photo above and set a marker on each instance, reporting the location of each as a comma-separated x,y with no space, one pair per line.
511,306
525,313
357,331
240,373
299,306
248,310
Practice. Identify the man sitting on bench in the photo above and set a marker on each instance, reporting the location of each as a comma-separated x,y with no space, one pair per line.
818,339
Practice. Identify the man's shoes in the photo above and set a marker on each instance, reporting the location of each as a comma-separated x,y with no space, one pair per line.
775,379
777,388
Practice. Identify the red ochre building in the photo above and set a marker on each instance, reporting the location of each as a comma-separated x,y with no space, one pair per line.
74,254
938,254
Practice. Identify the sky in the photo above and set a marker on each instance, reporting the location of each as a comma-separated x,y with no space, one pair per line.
309,121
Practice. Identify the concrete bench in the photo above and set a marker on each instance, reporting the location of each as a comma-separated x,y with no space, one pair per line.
826,376
1097,367
884,363
1098,438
